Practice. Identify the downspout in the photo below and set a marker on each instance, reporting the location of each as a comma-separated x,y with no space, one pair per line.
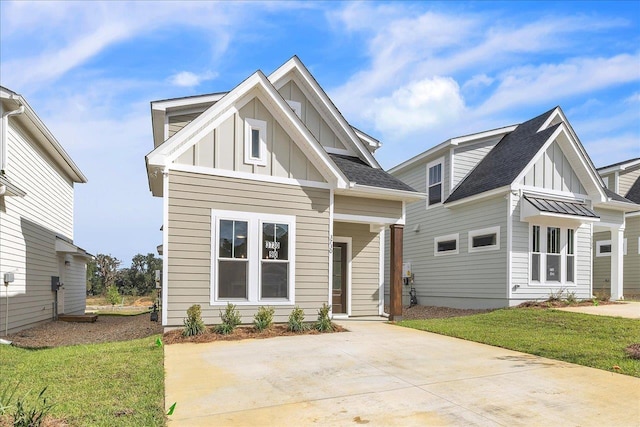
5,135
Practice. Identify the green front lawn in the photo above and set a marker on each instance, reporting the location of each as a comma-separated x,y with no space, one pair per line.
119,383
595,341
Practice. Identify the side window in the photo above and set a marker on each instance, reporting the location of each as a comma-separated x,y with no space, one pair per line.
255,142
486,239
435,190
446,245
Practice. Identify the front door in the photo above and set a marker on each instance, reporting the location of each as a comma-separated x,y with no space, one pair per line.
339,285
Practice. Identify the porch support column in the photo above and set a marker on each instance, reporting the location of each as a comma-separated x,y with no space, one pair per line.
617,263
395,262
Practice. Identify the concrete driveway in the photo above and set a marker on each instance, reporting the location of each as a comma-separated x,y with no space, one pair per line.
384,375
630,309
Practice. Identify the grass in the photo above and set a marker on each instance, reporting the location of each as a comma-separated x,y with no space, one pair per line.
119,383
595,341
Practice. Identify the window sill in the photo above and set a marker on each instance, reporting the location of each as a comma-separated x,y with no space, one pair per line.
274,302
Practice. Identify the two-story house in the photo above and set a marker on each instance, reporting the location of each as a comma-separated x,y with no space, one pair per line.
509,217
272,199
42,272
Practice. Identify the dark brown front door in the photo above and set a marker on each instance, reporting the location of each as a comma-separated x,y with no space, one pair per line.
339,285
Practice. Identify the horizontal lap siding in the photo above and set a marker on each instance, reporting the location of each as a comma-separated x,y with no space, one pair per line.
632,259
627,179
467,158
365,259
367,207
191,198
28,229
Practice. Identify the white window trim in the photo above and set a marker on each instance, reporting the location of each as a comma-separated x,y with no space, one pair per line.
254,256
438,239
599,245
261,126
624,247
543,256
429,166
296,107
481,232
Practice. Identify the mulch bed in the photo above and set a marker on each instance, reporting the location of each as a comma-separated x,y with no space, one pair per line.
241,333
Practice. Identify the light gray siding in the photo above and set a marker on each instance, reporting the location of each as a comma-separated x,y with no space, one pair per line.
627,179
177,122
365,256
632,259
28,229
477,279
553,172
192,196
367,207
466,158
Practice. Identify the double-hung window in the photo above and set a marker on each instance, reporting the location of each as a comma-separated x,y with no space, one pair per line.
552,254
253,258
435,188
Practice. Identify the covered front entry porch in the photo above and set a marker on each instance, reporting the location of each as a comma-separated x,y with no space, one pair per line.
358,259
608,261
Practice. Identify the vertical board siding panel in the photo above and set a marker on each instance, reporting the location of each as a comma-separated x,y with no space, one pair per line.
225,139
281,152
196,193
205,151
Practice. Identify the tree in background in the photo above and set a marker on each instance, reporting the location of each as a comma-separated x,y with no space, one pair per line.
138,279
101,273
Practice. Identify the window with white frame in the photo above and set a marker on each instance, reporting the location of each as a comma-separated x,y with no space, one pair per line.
253,258
603,248
486,239
446,245
552,254
255,142
435,189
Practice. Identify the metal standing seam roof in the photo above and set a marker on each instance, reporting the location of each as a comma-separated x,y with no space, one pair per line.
561,207
361,173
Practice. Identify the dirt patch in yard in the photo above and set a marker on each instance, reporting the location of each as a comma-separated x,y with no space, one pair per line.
105,329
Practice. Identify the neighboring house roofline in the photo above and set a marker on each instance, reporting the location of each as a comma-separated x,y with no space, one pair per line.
457,141
42,133
295,64
170,149
620,166
185,101
373,143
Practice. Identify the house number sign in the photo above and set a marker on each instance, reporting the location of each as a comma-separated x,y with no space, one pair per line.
273,248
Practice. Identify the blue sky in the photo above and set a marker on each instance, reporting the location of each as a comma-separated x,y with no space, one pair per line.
412,74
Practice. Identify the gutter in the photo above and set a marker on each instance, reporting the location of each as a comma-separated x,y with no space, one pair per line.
5,133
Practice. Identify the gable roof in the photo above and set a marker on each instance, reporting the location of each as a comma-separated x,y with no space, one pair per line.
361,173
43,135
502,165
625,164
634,192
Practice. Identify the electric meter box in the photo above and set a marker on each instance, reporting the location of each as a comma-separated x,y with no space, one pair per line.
8,278
406,270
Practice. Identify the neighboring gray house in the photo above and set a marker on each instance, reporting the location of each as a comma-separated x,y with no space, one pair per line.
622,178
37,179
509,217
271,198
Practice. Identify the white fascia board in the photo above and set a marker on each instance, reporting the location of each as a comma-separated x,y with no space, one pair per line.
619,167
466,139
432,152
367,138
295,64
187,101
617,206
367,191
552,116
477,197
45,137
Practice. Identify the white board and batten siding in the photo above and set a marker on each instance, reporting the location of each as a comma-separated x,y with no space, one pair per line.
553,172
223,148
28,229
192,197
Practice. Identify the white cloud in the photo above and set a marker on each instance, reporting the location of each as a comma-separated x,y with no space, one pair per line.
420,105
189,79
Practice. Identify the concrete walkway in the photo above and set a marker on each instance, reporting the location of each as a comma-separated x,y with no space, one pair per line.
624,309
385,375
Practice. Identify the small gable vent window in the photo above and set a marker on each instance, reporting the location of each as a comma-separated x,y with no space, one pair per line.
486,239
255,142
446,245
434,182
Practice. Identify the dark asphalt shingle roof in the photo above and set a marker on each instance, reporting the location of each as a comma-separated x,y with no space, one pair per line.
361,173
619,163
634,192
615,196
561,207
507,159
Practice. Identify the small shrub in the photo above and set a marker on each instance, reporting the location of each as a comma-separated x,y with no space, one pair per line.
112,295
230,319
571,298
263,318
31,414
193,324
296,320
324,322
555,296
595,302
